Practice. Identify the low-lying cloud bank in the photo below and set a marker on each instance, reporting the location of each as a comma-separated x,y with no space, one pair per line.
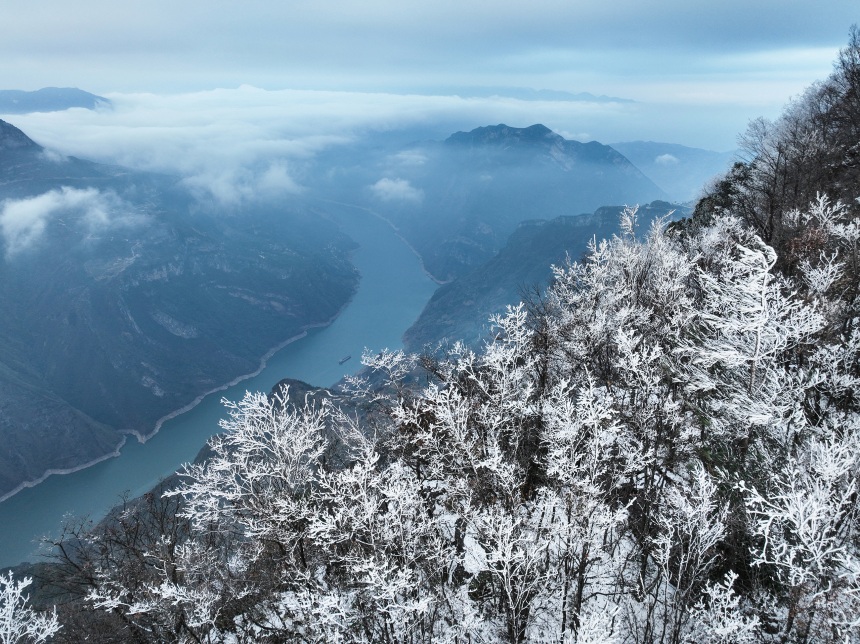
23,221
396,190
231,145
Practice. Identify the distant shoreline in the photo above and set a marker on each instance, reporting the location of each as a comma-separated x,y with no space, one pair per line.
71,470
143,438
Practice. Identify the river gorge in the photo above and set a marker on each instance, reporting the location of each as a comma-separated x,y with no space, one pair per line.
392,292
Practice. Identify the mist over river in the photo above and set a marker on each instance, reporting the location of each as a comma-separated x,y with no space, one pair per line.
392,292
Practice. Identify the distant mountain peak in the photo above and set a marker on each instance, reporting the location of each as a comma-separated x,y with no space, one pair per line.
11,138
505,144
49,99
505,135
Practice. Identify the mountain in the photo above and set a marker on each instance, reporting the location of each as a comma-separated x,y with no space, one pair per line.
457,201
26,168
681,171
48,99
123,301
11,138
461,309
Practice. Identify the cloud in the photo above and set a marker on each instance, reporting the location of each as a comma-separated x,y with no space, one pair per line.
380,44
396,190
237,186
409,158
234,145
54,157
23,221
666,159
231,145
277,182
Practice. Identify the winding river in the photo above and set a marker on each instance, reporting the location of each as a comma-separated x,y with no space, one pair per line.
392,292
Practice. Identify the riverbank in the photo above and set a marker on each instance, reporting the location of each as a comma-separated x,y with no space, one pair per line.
143,438
71,470
264,361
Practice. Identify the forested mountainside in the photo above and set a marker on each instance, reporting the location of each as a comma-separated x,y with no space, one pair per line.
666,450
812,149
123,302
461,310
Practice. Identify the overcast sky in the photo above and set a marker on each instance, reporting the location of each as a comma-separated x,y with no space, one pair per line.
698,71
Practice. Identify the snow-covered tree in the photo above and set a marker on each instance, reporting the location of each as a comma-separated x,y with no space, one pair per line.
19,623
664,449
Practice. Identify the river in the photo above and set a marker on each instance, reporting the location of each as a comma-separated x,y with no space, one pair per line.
392,292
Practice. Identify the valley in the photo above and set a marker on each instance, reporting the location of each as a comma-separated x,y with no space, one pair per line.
131,305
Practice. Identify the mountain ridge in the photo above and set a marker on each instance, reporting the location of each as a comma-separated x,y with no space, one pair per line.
460,310
11,138
49,99
458,206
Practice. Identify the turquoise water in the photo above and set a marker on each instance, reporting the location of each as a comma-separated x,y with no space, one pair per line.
392,292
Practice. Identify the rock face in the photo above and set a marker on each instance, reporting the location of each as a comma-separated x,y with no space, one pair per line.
122,301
